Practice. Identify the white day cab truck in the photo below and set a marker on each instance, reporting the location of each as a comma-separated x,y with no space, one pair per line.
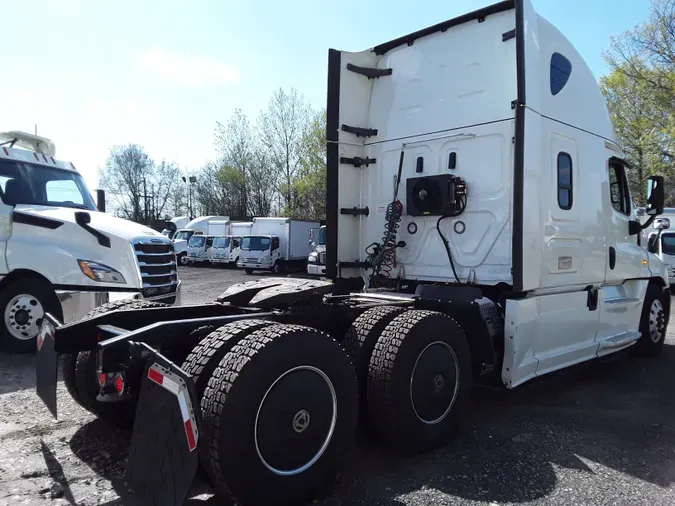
316,262
174,224
276,245
58,253
479,229
658,239
198,226
225,248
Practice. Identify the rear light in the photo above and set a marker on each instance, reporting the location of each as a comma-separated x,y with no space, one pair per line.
119,383
102,379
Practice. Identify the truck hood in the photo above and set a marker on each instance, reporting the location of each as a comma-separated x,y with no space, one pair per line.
105,223
62,246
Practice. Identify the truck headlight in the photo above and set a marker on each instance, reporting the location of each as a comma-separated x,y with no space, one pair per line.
100,272
312,258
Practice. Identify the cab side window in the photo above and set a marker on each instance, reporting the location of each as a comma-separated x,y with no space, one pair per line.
564,181
618,189
275,243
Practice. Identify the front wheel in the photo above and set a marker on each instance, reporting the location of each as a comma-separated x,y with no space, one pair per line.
652,323
183,259
248,271
24,304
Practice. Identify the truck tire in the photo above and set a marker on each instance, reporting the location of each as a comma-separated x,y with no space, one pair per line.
204,358
419,380
182,259
79,372
360,339
24,303
298,389
652,324
248,271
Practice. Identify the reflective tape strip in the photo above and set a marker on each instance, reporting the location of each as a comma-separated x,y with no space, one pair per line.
183,407
192,444
163,381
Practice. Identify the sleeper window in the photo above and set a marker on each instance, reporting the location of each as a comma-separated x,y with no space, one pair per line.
561,68
618,189
565,181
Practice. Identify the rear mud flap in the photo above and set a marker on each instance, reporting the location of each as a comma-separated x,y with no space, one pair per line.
163,455
47,363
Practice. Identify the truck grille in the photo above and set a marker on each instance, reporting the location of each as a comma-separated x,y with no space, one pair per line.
157,264
322,258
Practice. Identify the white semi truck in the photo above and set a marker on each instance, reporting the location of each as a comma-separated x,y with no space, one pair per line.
275,244
58,253
475,186
174,224
316,262
197,226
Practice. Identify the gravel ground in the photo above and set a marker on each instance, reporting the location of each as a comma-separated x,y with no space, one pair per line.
600,435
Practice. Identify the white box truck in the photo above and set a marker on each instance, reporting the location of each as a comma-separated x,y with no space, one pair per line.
475,183
197,226
276,244
58,253
225,249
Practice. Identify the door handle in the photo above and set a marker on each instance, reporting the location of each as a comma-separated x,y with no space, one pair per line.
612,257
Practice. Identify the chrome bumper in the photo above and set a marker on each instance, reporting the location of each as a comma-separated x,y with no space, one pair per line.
316,269
75,305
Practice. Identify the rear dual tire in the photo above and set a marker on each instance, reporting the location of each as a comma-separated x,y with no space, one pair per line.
415,375
284,400
81,380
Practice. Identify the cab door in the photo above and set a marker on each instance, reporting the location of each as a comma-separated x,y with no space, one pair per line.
624,256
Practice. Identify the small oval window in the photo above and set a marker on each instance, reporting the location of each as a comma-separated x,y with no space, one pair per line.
561,68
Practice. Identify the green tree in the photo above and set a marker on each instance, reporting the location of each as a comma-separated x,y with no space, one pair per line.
309,188
639,124
641,95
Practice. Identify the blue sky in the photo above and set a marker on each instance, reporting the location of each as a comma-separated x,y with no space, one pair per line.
160,73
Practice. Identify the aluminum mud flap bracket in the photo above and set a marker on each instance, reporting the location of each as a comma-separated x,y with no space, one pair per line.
163,454
47,363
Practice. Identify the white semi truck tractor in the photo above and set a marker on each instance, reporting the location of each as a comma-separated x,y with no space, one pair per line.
59,253
479,229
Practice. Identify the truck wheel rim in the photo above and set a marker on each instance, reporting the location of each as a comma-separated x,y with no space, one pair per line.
434,382
183,260
295,421
656,321
23,316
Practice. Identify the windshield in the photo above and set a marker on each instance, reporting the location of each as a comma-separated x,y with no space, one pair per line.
668,244
184,235
26,183
221,242
322,235
197,241
253,243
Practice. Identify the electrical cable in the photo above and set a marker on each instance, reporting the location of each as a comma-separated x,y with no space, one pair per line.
452,214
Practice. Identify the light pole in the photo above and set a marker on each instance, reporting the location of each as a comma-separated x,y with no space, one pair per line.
192,180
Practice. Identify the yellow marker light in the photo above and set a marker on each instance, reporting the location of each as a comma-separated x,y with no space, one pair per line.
645,262
86,270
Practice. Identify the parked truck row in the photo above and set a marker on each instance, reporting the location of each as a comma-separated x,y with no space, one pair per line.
264,244
480,229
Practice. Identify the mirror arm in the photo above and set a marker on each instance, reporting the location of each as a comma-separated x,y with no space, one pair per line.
649,221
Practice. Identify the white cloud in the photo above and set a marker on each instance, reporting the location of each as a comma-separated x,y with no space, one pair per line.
187,68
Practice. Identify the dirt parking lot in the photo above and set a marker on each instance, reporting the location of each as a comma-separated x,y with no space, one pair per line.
601,435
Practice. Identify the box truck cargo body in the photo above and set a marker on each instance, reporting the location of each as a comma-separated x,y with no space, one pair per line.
276,244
